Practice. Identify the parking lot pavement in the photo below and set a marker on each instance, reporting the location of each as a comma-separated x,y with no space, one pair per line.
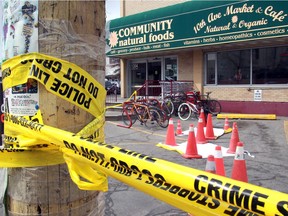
264,139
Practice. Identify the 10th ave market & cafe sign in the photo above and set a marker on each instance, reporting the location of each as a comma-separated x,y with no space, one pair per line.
230,22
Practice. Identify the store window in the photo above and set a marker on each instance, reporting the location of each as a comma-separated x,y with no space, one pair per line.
138,75
170,67
233,67
266,65
211,68
270,65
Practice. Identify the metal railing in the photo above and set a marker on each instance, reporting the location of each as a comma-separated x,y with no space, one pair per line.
112,94
149,88
172,87
157,88
153,88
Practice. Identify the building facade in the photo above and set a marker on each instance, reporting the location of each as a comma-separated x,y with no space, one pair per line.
236,49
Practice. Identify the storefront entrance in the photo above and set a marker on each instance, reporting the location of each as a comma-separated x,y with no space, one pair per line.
143,71
151,70
154,70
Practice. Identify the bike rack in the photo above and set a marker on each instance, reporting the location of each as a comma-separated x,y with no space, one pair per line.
125,126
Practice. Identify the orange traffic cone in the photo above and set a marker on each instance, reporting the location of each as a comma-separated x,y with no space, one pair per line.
179,128
209,128
219,162
202,115
239,171
170,135
191,148
227,128
234,139
210,164
200,137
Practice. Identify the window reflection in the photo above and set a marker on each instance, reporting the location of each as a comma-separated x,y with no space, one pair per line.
233,67
170,69
211,68
267,66
270,65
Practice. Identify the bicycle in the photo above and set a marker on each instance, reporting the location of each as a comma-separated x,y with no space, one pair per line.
146,114
163,111
161,105
166,107
187,110
172,101
161,108
209,105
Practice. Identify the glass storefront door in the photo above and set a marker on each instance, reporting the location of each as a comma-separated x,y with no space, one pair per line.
154,70
151,70
154,76
138,75
146,70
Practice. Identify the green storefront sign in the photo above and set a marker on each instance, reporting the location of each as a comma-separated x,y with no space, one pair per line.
197,23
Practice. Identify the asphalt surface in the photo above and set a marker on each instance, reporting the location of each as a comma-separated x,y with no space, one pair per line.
265,139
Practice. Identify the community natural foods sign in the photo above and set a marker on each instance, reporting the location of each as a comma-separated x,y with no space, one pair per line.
225,23
149,32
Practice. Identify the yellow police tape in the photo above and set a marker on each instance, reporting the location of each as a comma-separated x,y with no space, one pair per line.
90,161
191,190
59,77
63,79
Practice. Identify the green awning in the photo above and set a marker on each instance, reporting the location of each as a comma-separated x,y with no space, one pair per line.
196,23
169,11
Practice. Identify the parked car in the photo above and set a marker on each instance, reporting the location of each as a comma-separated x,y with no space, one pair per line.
108,85
112,87
117,85
112,84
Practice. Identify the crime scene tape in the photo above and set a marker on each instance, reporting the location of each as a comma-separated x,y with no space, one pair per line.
90,161
67,81
191,190
60,77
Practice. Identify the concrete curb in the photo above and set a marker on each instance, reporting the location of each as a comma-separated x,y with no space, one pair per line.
247,116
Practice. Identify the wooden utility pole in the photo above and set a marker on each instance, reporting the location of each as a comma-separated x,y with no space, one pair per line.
73,31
